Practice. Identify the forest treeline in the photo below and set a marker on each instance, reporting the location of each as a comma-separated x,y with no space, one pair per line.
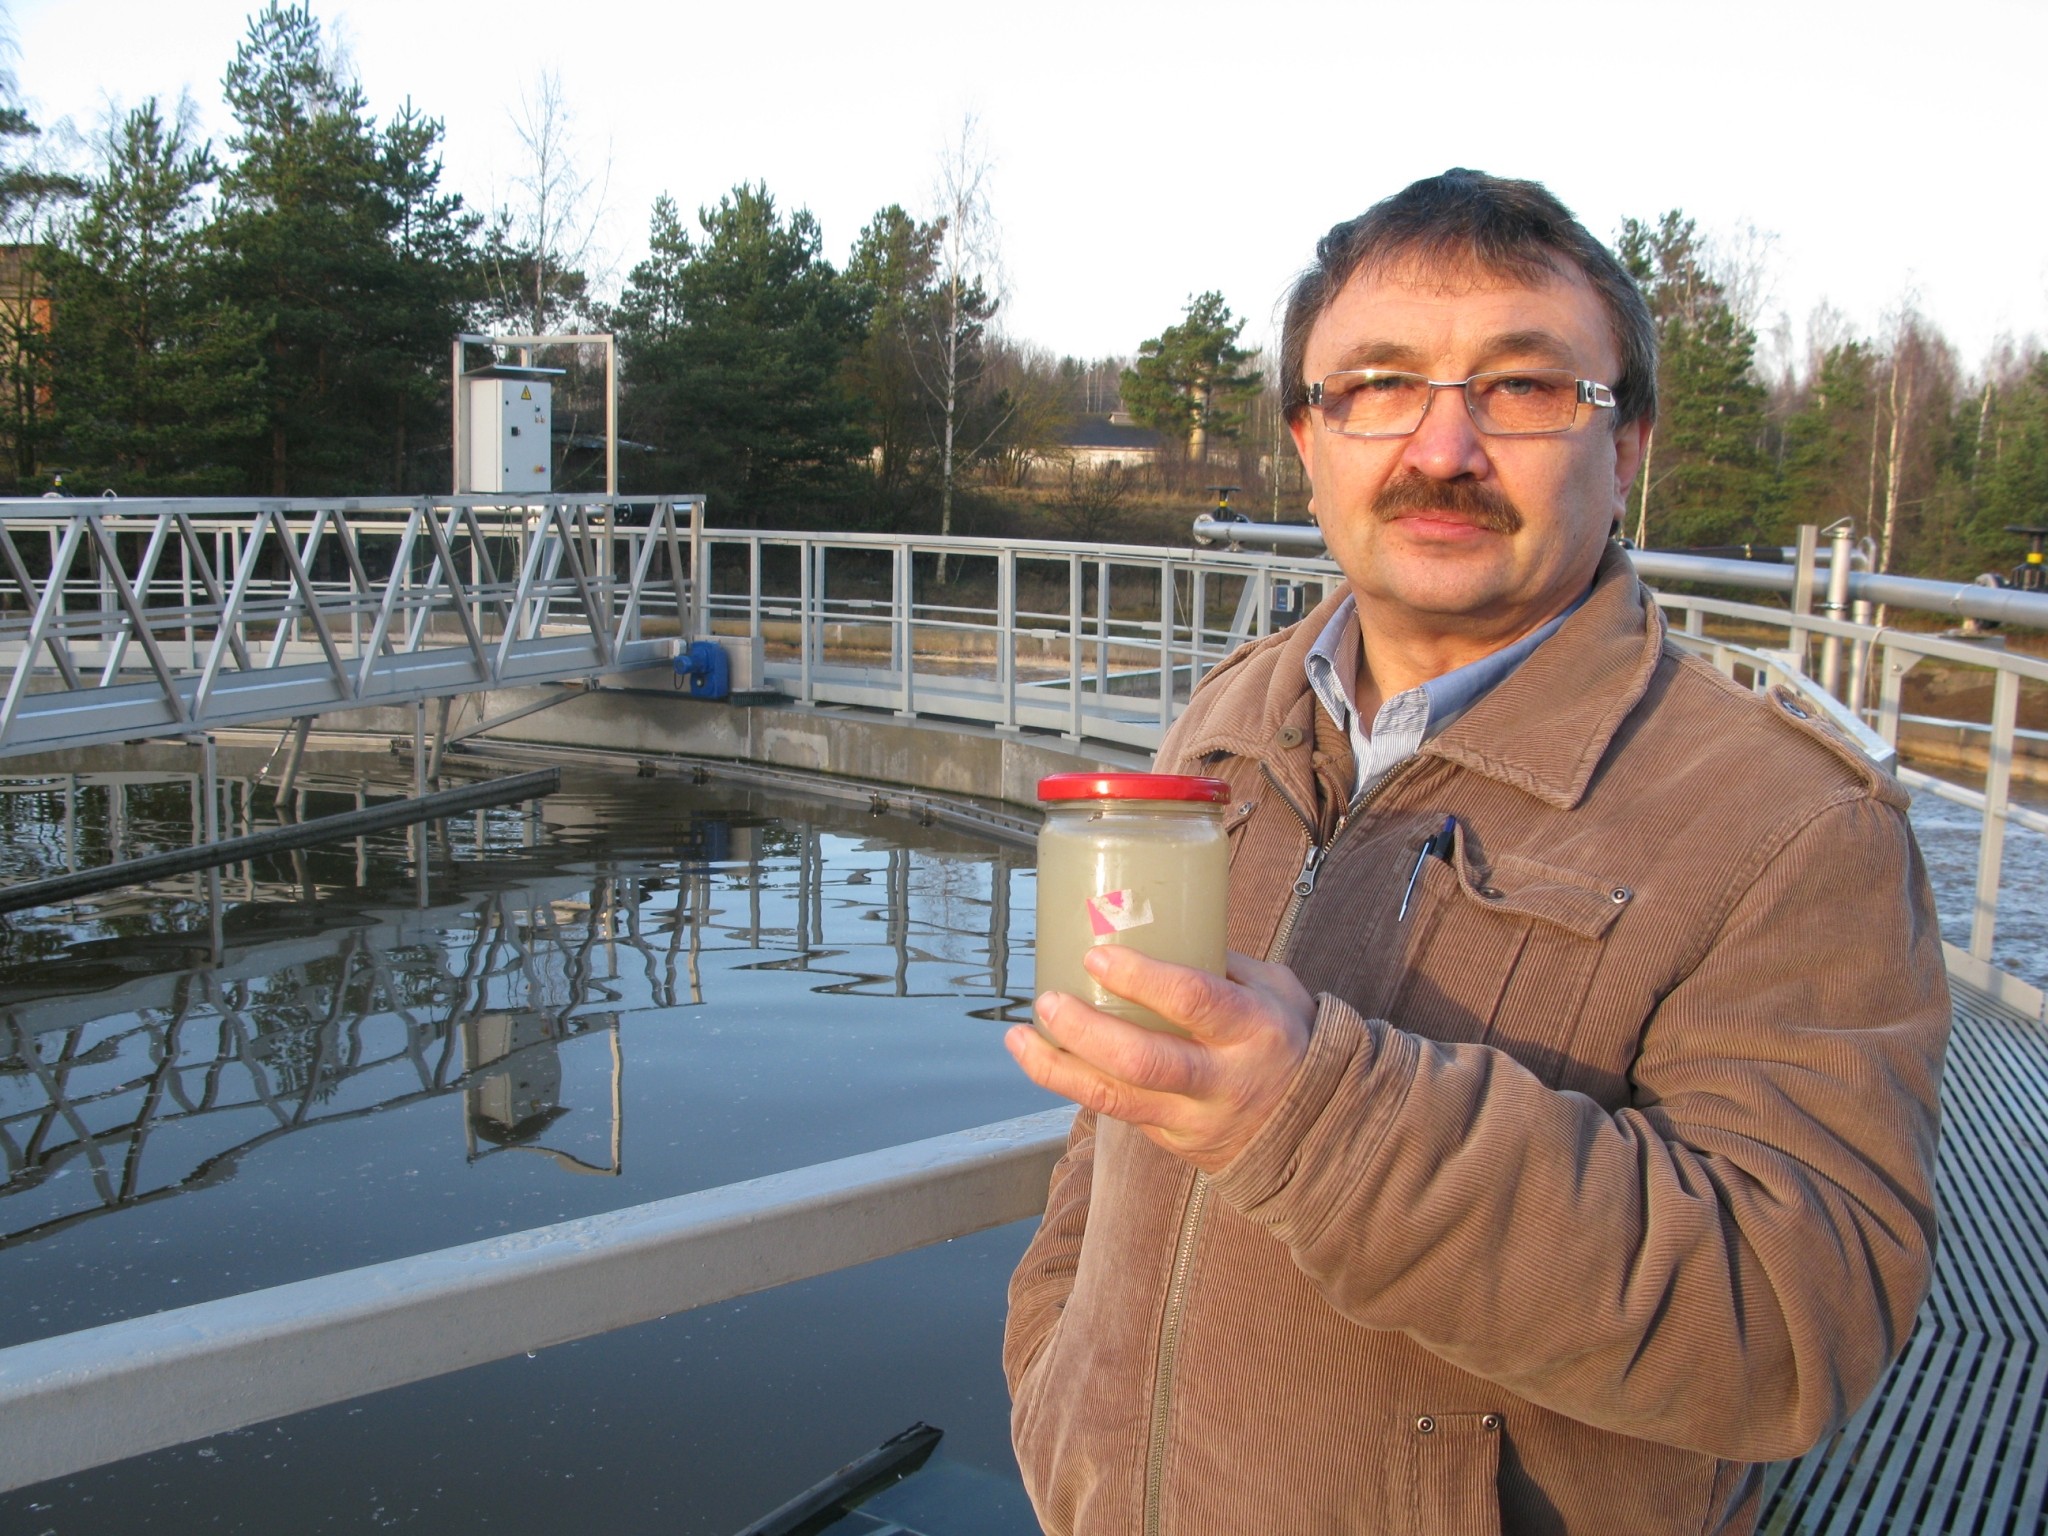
273,316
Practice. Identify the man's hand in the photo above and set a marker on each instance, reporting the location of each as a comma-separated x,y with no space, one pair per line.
1202,1098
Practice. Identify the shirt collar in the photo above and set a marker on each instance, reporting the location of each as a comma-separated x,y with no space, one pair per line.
1332,666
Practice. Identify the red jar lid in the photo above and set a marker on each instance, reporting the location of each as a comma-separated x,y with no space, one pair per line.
1132,786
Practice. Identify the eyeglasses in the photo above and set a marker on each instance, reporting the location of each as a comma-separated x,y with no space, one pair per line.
1522,402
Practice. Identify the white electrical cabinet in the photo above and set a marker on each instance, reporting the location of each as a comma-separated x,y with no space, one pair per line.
510,421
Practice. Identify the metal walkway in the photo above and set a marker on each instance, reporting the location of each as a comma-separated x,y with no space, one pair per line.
126,620
1953,1439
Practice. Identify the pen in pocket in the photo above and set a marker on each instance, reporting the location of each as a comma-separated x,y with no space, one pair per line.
1439,843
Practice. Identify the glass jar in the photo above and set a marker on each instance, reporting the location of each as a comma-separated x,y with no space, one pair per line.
1130,858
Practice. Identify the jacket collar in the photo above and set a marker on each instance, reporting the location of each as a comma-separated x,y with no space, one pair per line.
1546,728
1543,730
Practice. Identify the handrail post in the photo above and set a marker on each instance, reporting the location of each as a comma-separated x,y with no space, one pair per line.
1102,630
1074,595
803,620
754,589
1802,590
696,623
1165,644
2005,705
1896,662
1006,635
903,636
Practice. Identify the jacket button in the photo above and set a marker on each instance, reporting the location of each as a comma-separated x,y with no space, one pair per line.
1490,1421
1620,895
1793,709
1288,736
1491,893
1425,1425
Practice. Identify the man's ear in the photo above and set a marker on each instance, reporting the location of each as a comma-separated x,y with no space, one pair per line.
1302,430
1631,450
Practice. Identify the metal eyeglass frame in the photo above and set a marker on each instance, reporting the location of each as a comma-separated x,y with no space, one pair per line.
1588,392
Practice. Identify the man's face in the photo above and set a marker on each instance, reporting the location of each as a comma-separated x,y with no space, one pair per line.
1451,534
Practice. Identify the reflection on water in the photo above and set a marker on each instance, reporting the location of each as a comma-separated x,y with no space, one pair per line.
132,1068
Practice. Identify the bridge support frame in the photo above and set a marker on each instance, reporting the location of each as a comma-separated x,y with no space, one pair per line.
301,729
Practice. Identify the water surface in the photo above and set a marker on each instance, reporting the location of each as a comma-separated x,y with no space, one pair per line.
650,987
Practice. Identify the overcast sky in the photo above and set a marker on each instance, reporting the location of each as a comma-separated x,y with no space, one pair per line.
1144,152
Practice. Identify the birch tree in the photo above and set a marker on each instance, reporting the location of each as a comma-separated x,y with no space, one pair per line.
541,248
967,294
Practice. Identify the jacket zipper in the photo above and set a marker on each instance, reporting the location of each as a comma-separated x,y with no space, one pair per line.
1169,1347
1191,1218
1305,882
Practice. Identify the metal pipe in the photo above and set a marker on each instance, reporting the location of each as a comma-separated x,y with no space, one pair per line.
1305,537
214,852
1837,605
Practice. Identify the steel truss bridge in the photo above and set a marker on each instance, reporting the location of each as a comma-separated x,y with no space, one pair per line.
123,621
166,619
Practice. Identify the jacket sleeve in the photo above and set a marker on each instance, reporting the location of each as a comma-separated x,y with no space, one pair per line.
1728,1262
1045,1275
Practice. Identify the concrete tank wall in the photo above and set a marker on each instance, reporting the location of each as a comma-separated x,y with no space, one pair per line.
946,758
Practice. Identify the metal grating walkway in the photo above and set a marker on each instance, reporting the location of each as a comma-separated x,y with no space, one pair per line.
1953,1440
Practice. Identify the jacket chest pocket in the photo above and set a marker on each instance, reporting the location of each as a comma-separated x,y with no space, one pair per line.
1503,956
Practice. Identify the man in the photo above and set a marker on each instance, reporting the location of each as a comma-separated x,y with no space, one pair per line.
1560,1144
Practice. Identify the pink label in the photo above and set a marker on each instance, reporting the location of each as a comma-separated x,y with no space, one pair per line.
1114,911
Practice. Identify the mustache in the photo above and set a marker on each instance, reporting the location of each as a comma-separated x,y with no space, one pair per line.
1473,500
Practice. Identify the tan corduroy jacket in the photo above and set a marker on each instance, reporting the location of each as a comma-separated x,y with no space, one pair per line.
1608,1172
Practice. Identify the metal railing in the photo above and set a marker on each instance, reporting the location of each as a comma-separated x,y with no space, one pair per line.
1103,642
1892,654
122,620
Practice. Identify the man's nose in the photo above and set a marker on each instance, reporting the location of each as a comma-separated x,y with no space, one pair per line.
1448,444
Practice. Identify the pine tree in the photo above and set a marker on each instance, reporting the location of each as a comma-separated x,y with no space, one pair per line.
648,324
156,380
735,345
1190,379
337,240
891,273
433,286
1707,480
1826,440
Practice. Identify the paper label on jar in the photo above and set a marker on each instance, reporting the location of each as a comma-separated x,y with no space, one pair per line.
1114,911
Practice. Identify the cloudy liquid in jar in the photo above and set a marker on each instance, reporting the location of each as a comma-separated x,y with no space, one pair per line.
1152,875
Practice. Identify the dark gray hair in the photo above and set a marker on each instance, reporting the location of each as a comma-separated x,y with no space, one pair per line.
1514,229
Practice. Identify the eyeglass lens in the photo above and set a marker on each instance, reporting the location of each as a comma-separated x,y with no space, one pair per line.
1370,402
